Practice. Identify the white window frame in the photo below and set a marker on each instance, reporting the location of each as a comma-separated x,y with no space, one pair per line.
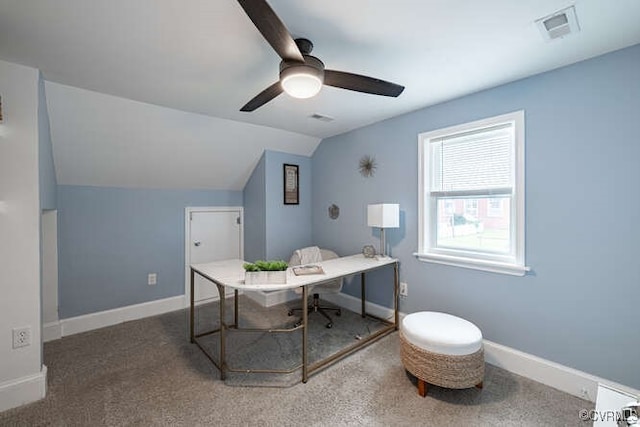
513,263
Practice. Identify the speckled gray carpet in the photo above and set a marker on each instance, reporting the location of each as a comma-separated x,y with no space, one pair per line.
283,351
146,372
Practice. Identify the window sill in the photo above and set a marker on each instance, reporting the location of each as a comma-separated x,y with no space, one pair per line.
475,264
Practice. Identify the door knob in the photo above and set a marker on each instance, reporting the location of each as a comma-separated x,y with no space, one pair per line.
196,243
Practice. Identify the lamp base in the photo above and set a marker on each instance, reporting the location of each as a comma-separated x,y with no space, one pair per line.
382,243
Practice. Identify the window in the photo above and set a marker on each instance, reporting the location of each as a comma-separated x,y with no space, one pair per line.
449,207
471,207
495,208
472,195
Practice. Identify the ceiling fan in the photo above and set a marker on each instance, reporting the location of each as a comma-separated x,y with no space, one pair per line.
302,75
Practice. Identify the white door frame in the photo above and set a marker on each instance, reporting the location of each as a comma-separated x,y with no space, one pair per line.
51,329
187,241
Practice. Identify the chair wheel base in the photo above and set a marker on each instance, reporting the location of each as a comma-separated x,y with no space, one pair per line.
315,307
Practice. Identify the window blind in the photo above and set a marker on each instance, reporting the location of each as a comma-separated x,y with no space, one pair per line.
479,162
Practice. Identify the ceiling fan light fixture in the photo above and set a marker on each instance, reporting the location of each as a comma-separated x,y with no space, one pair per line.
301,81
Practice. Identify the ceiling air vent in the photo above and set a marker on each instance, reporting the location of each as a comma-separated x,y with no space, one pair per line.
321,117
559,24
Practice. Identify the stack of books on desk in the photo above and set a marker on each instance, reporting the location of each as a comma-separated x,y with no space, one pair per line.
307,269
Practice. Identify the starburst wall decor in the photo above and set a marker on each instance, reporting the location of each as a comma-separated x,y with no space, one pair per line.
367,166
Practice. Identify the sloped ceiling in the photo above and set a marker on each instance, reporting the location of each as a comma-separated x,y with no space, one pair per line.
206,58
107,141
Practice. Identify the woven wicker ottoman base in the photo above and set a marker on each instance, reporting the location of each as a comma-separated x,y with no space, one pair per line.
433,365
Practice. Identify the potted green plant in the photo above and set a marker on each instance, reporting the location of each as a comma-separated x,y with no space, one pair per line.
265,272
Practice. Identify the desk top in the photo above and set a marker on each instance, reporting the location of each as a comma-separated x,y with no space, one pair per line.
231,274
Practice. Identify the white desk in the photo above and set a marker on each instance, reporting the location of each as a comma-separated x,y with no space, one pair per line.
230,274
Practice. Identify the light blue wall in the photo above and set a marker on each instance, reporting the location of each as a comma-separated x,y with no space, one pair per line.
579,306
47,173
255,223
288,227
109,239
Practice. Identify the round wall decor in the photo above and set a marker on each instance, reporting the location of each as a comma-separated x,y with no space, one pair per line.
334,211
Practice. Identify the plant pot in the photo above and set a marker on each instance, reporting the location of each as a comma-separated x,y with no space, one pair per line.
265,277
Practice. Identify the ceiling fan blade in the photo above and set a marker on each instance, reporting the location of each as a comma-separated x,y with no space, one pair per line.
263,97
272,29
360,83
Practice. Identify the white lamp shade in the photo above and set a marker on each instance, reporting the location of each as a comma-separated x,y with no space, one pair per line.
384,215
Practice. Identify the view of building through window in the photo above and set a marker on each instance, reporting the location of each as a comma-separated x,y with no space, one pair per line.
479,224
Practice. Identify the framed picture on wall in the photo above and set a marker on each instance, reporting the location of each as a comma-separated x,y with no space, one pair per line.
291,189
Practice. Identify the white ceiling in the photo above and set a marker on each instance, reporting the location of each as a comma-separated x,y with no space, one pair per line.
206,57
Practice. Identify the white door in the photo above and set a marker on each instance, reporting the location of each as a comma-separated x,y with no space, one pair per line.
213,234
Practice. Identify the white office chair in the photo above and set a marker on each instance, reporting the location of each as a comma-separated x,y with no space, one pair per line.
333,286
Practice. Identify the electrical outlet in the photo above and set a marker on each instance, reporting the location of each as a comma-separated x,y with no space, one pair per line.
152,279
584,393
21,337
404,289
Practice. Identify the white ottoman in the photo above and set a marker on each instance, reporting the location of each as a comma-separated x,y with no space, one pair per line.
441,349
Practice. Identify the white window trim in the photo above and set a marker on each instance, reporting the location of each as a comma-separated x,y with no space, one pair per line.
513,266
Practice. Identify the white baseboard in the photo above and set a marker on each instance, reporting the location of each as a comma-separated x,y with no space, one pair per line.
101,319
564,378
23,390
355,304
552,374
51,331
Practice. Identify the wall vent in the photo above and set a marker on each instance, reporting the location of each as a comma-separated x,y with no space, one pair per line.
320,117
559,24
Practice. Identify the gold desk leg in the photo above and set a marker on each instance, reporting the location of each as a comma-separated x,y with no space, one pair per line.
235,308
192,309
305,327
362,292
223,365
396,286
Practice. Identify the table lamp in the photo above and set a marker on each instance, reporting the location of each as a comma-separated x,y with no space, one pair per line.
385,215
